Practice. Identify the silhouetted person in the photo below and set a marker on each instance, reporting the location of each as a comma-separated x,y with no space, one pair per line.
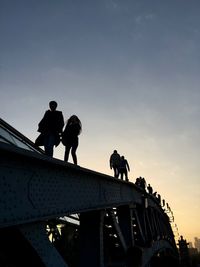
168,207
124,168
150,189
115,162
142,183
137,181
70,137
159,198
133,257
50,128
155,194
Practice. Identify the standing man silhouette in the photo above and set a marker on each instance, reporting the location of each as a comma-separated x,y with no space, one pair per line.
114,163
124,168
50,128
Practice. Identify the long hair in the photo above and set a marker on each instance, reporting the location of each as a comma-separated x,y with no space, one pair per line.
74,120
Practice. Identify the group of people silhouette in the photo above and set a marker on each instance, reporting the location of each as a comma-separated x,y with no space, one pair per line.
52,133
141,183
119,165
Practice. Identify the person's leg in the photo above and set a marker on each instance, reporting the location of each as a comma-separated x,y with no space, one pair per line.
126,174
67,149
115,171
121,174
73,152
49,141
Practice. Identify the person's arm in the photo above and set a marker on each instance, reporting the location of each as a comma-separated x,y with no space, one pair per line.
111,162
127,166
62,122
42,123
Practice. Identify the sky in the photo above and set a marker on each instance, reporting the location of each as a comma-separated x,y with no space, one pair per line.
129,69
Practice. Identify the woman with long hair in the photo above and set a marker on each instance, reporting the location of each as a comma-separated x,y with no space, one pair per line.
70,137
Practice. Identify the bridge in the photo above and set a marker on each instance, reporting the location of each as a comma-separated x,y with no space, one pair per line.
56,214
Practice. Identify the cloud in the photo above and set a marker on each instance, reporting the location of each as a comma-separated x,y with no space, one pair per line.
112,4
144,18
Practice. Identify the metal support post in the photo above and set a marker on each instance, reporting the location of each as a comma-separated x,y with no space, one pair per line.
91,239
37,236
141,235
125,223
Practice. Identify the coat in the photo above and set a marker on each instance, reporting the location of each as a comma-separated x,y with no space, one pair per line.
51,123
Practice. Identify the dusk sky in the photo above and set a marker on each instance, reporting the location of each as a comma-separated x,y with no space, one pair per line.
129,69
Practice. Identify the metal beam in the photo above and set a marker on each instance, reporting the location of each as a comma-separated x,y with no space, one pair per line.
36,235
35,187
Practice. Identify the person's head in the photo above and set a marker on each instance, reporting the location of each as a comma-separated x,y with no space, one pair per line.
74,120
122,157
115,151
53,105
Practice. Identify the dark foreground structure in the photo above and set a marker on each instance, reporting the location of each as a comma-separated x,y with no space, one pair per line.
56,214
